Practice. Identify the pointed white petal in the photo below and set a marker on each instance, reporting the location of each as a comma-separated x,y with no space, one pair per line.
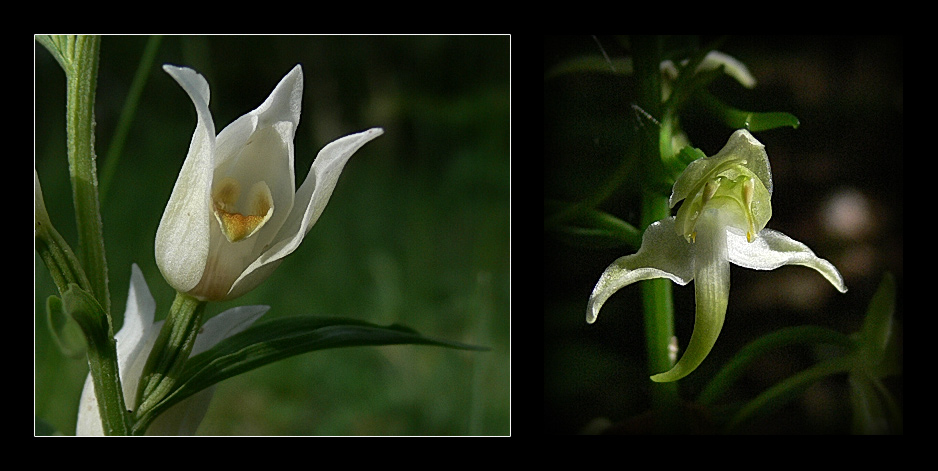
712,290
311,200
131,347
259,146
772,249
663,254
183,236
731,66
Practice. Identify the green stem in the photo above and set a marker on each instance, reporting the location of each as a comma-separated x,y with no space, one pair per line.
656,294
102,358
82,76
658,304
170,352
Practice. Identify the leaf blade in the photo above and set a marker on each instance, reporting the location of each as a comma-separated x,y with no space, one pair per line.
278,339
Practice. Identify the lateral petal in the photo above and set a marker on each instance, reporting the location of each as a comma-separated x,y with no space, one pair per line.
772,249
663,254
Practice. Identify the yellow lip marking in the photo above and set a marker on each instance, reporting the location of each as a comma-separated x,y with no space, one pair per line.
236,225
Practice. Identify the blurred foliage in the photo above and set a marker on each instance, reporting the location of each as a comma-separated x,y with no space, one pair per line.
416,233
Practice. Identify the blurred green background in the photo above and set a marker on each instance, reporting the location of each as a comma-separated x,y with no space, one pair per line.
416,232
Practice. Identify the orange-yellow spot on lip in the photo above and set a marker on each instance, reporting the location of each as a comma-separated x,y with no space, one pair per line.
235,225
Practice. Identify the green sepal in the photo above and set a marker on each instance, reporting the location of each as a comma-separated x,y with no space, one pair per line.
279,339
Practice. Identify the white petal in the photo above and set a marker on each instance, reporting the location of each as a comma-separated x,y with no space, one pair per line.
663,254
259,146
772,249
311,200
731,66
225,325
132,342
183,236
255,149
712,290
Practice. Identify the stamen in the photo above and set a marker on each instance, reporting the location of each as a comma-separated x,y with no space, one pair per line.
748,190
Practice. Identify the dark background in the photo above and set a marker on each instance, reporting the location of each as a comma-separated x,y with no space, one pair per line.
838,189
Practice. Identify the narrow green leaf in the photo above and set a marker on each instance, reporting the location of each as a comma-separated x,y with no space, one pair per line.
598,229
127,114
874,410
279,339
739,119
591,64
797,335
782,393
56,254
61,47
877,327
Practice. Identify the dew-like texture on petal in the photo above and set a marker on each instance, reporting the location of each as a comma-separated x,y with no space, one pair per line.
183,236
311,200
663,254
711,289
772,249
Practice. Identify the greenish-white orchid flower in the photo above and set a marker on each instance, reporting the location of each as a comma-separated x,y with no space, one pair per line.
722,221
234,213
135,341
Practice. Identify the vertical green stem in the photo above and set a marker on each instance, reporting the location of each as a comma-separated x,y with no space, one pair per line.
170,352
656,294
82,77
102,358
658,304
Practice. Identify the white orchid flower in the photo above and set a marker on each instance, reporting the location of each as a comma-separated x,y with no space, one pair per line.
134,342
234,212
722,221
